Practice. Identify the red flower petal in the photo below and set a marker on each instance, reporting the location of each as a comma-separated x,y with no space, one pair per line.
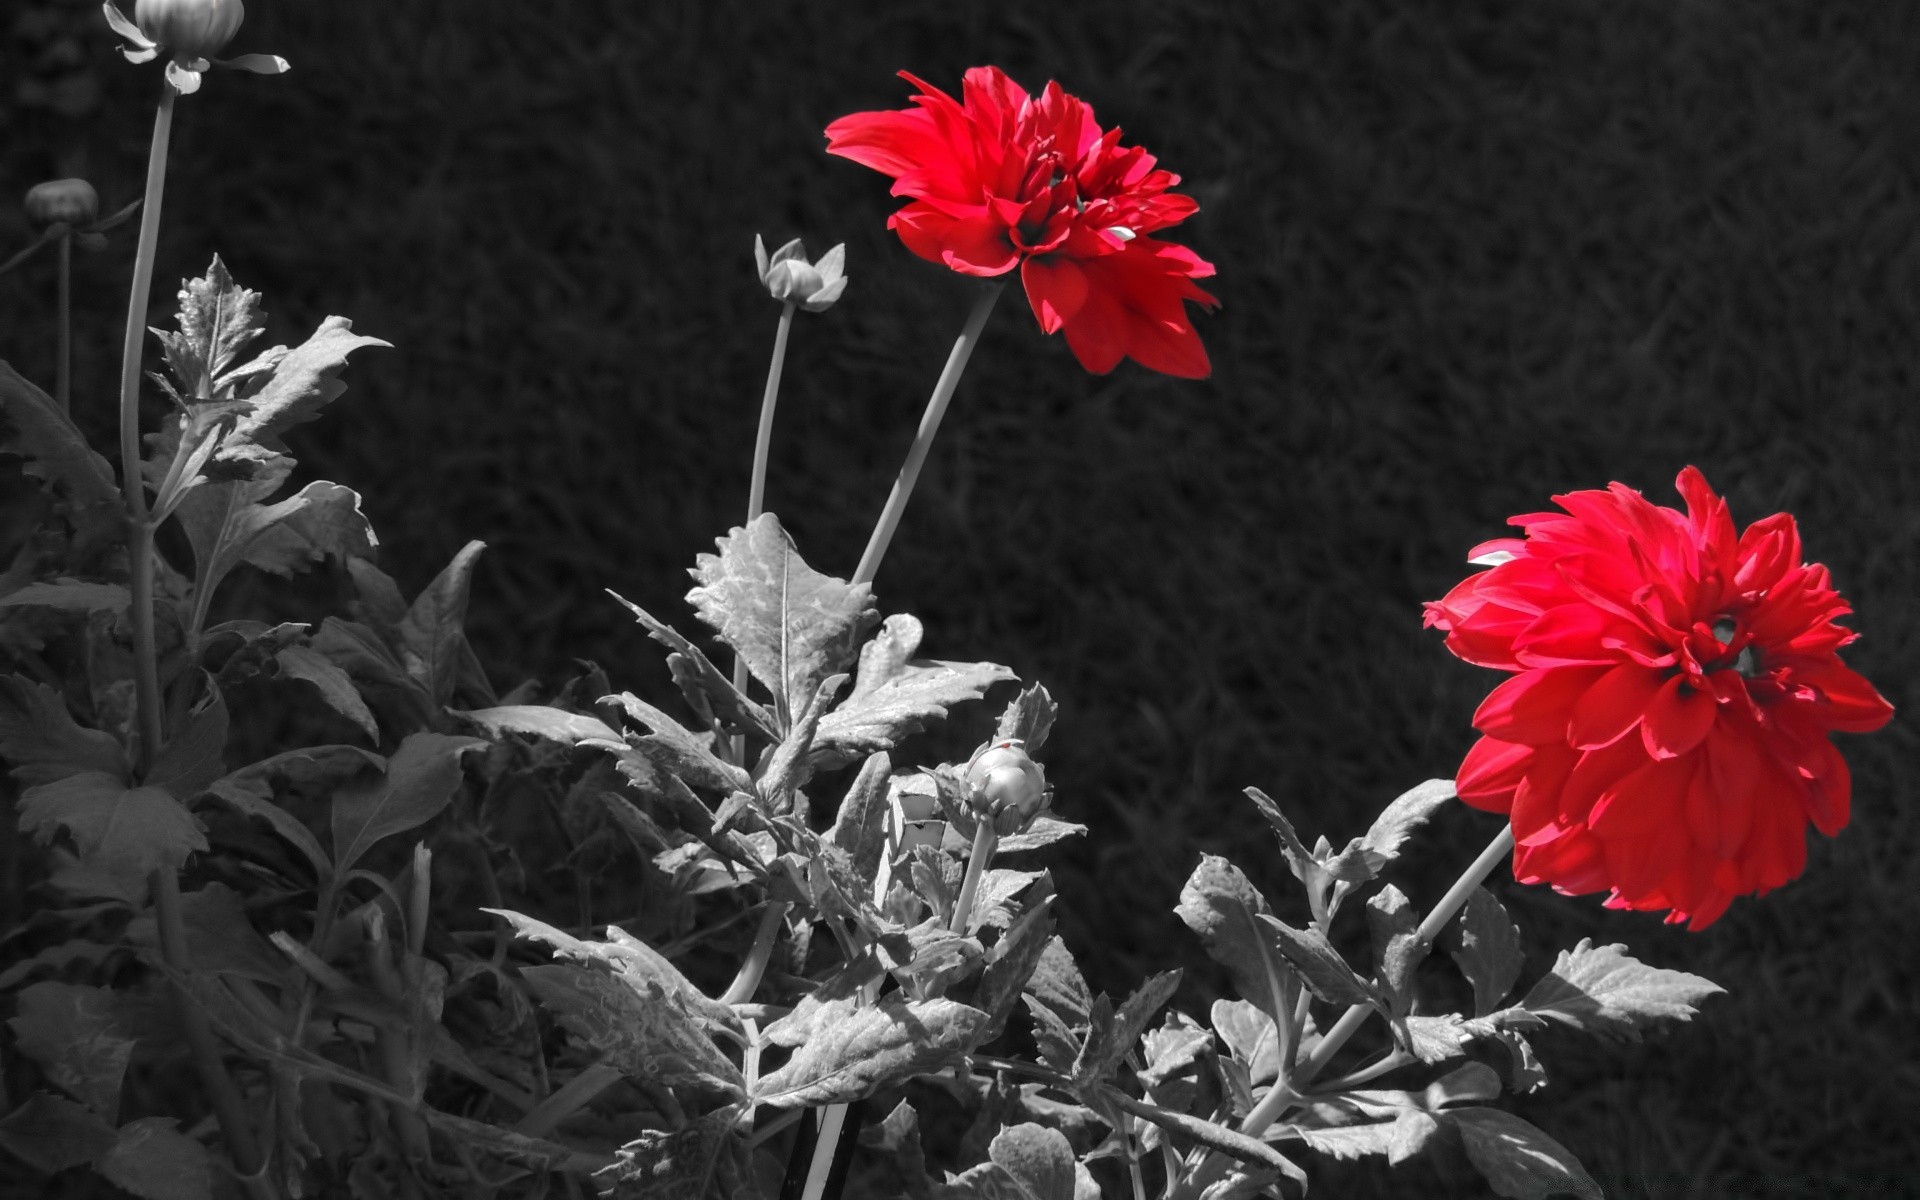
1057,289
1490,772
1533,707
1613,705
1677,718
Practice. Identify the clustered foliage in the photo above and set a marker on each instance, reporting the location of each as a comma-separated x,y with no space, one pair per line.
313,922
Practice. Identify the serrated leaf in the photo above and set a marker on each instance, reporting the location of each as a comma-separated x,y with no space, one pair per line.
1170,1049
1039,1160
650,1036
659,1164
70,595
919,692
993,902
216,318
697,676
1433,1039
860,823
419,781
862,1048
228,524
1519,1160
52,1133
1524,1072
540,720
121,831
1044,831
192,757
679,751
304,380
41,742
434,630
1321,968
333,683
1106,1047
1222,907
792,625
1250,1036
639,965
1300,860
1397,952
1397,822
80,1037
155,1161
221,940
1010,964
1057,983
1489,954
897,1139
1602,990
1028,718
34,427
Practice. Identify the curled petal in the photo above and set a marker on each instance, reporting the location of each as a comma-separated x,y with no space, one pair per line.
259,64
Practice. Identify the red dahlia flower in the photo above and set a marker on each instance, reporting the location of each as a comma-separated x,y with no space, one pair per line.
1004,180
1665,734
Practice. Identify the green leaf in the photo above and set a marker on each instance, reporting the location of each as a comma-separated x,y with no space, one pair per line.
51,1133
895,695
1250,1036
70,595
154,1161
702,682
688,1161
641,966
1221,906
420,780
121,831
679,751
1601,990
862,1048
1106,1047
860,823
332,681
221,940
34,427
217,317
1044,831
228,524
304,380
1519,1160
1397,953
1028,718
1489,954
191,760
540,720
1010,964
40,740
1393,826
896,1139
80,1037
1172,1048
1055,981
1320,966
792,625
1040,1161
644,1033
1305,867
434,630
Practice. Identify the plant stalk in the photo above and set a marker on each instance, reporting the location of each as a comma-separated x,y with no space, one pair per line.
1278,1099
984,841
929,425
757,483
63,362
748,980
146,667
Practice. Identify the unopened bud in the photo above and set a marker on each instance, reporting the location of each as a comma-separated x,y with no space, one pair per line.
1005,786
70,200
190,28
791,279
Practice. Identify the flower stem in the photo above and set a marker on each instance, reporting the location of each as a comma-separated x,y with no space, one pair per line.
63,363
757,485
929,425
748,980
146,670
984,841
1279,1098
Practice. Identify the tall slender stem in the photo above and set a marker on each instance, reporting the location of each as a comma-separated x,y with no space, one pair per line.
929,425
146,669
757,485
63,363
1279,1098
984,841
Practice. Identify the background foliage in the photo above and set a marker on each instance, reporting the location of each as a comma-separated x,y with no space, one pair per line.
1471,255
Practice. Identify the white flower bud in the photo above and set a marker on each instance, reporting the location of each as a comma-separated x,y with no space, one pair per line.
70,200
190,28
1005,786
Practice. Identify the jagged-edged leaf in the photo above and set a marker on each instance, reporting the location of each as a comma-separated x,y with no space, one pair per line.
193,756
333,683
434,630
304,380
54,449
1105,1047
1010,964
1057,983
40,740
860,823
1222,907
1059,1046
1519,1160
1170,1049
70,595
1029,718
229,524
1300,860
1397,952
661,1163
1397,822
1039,1160
155,1161
679,751
513,1145
1489,954
1250,1036
420,779
919,692
52,1133
896,1139
1434,1039
792,625
540,720
1347,1142
221,940
1044,831
701,681
120,831
1602,990
642,967
81,1038
648,1036
217,317
790,767
993,902
862,1048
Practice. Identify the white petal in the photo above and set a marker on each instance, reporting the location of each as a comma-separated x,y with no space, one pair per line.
760,256
1492,558
833,263
127,29
184,81
259,64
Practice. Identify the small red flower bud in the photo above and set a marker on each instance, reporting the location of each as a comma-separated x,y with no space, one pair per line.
190,28
72,201
1005,786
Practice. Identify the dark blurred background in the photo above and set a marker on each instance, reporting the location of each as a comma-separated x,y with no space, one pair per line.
1470,254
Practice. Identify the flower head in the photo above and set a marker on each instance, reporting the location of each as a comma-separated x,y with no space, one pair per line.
1001,179
71,202
1665,733
191,32
791,279
1005,786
